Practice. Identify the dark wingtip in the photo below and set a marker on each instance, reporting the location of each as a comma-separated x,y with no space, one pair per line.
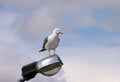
42,50
39,51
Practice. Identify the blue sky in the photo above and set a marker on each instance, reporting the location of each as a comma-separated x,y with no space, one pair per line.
89,47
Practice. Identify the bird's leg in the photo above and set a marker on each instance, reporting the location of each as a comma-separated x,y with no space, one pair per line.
49,54
54,51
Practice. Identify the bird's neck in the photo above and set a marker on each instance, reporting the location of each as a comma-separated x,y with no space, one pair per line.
55,34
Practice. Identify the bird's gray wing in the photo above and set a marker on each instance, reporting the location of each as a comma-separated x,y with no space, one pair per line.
45,41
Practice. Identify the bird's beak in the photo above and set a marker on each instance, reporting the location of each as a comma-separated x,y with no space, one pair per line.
61,33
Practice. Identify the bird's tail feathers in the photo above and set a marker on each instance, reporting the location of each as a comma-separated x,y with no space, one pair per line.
42,50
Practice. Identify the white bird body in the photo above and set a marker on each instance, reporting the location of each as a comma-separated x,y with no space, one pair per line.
52,41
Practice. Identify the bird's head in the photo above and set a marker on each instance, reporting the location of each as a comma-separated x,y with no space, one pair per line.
57,31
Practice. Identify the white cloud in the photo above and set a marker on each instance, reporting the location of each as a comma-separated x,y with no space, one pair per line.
98,64
92,64
38,19
6,19
18,3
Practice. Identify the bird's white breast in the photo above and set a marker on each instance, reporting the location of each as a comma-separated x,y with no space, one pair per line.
52,42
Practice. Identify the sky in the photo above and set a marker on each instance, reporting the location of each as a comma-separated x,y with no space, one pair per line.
89,47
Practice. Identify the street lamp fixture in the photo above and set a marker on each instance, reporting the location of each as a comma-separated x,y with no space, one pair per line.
48,66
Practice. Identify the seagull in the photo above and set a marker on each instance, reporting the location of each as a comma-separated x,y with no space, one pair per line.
52,41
